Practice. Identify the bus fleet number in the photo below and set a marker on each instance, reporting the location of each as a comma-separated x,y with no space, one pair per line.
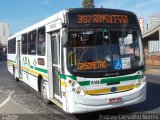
95,82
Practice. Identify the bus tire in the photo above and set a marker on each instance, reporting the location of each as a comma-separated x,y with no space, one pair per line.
17,79
14,72
44,91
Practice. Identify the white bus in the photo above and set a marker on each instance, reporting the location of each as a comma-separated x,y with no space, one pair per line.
81,59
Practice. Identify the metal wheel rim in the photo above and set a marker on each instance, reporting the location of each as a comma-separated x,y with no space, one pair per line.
44,90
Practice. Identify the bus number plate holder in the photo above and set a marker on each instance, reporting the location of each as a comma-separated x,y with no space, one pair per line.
115,100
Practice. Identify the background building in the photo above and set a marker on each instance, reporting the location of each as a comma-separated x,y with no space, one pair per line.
153,20
4,34
151,41
141,23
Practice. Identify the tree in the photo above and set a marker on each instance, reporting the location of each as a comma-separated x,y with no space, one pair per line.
88,4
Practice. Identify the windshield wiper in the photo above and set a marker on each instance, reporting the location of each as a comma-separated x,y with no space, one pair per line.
123,36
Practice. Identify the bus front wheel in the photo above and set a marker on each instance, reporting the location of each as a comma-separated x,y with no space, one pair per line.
44,89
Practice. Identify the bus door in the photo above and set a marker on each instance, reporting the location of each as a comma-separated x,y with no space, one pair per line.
19,59
55,49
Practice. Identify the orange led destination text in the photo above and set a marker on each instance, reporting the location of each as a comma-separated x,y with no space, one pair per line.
92,65
103,18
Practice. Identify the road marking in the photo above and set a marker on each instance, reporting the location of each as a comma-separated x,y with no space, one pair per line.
4,102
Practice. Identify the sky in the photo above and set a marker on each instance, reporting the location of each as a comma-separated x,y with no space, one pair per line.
20,14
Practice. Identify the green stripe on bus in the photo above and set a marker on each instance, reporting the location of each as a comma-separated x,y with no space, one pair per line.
65,76
31,67
119,79
112,80
62,76
72,77
41,70
84,83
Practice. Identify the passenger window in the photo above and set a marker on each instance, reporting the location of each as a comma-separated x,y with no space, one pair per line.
32,43
41,44
24,44
12,46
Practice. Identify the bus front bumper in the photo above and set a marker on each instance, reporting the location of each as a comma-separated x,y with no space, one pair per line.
89,103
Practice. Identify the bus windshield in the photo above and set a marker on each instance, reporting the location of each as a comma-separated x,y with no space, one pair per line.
104,50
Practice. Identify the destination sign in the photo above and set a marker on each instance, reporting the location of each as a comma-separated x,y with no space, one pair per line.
102,18
92,65
107,18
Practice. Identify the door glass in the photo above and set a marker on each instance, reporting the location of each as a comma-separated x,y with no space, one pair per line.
55,55
19,60
54,50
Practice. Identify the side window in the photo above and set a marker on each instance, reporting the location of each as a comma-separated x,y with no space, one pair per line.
24,44
12,46
9,46
41,44
32,43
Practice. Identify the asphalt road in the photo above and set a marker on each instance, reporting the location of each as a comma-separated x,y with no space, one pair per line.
27,103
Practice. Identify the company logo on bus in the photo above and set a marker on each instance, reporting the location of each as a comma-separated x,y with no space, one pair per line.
113,89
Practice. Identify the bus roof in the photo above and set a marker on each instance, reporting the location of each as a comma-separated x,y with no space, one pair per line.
99,10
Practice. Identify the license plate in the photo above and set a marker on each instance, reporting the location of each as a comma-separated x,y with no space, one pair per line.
114,100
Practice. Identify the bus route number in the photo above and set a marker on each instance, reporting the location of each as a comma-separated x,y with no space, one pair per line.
84,18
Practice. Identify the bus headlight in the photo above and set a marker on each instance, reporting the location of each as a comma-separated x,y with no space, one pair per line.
138,83
78,90
71,82
141,80
75,87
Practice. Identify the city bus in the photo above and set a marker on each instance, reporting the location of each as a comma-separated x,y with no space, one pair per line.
82,59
